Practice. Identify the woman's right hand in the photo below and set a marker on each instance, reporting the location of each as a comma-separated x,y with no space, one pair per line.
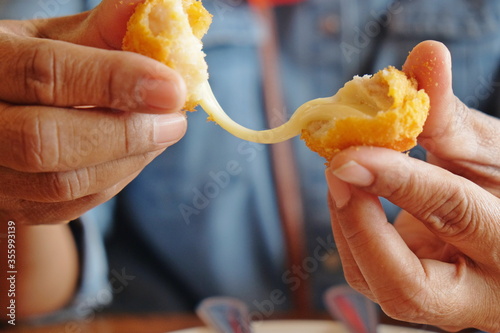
440,263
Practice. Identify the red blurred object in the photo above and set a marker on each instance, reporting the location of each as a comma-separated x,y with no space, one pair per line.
266,3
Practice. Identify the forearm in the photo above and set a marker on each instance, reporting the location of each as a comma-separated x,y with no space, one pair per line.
47,269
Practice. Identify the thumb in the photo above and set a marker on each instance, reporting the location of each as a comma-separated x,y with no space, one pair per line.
458,138
103,27
48,71
430,64
455,209
452,131
107,24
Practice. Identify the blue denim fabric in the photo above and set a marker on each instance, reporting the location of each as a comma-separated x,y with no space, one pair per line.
208,205
202,219
36,9
234,240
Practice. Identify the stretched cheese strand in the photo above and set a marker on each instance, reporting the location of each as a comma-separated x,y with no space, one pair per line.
383,110
320,109
170,31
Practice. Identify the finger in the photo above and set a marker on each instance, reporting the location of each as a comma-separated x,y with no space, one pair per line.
109,11
365,209
352,274
70,185
43,139
364,228
455,209
424,243
47,72
452,131
32,213
103,27
406,287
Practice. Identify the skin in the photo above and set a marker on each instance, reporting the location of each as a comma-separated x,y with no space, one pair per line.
56,279
440,262
58,160
439,265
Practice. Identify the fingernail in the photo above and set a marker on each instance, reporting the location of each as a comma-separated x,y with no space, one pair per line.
355,174
169,128
161,94
340,192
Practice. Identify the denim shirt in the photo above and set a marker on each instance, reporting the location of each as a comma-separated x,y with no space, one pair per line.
204,214
39,9
202,219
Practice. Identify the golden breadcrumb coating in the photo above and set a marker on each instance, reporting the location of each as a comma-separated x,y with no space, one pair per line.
393,114
170,31
385,110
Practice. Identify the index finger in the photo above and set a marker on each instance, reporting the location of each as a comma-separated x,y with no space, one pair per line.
452,207
406,287
46,72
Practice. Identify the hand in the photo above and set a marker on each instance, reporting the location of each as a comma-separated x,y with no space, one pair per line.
58,160
440,263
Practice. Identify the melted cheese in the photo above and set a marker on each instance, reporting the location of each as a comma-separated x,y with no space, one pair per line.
348,102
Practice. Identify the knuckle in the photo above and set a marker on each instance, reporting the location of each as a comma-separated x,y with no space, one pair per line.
399,182
38,149
134,127
406,306
403,309
39,67
422,306
442,202
114,92
128,135
449,212
359,239
70,185
356,282
117,92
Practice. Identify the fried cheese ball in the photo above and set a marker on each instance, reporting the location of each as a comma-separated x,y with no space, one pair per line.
170,31
383,110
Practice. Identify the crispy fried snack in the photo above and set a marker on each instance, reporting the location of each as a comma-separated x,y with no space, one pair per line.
384,110
170,31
